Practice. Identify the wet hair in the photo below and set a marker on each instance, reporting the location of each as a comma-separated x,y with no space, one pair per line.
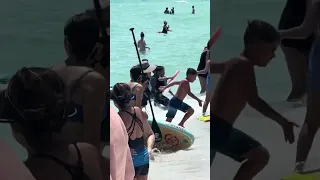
259,31
82,32
191,71
136,74
142,35
35,100
159,68
192,6
121,94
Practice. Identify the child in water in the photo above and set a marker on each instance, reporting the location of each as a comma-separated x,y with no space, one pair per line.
159,79
176,103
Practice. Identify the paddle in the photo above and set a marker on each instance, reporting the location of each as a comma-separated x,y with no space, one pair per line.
216,35
155,127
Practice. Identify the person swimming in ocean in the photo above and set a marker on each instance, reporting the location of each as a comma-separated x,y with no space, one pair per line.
193,10
166,11
142,45
165,27
172,10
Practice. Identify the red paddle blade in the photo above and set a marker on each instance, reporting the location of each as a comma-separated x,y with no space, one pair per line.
216,35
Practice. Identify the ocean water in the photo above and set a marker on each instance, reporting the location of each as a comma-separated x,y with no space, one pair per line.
32,35
178,50
273,84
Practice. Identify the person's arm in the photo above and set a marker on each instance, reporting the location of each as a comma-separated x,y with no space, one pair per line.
170,85
145,44
206,68
309,23
217,68
12,168
94,92
164,78
148,133
185,85
139,95
246,76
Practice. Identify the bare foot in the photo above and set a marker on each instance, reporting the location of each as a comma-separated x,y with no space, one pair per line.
182,125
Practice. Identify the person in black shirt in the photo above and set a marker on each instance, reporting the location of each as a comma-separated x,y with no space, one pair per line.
157,80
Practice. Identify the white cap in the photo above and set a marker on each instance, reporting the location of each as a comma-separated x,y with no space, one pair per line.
147,68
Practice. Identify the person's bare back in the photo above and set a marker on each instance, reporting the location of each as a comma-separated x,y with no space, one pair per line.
230,98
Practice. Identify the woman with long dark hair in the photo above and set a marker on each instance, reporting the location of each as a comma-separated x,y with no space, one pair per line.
138,129
34,103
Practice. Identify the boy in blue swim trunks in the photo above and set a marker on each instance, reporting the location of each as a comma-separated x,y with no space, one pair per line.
176,103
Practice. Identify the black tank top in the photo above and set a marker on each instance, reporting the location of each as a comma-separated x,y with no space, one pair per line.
158,84
76,171
202,62
293,14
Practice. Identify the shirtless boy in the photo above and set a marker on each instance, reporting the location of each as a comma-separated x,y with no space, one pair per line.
176,103
235,89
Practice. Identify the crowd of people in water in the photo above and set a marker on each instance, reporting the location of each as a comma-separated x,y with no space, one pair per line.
298,36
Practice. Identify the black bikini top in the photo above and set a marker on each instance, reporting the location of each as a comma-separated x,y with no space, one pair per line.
76,171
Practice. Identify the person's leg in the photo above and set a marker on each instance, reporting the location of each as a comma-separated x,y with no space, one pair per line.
309,129
311,123
171,113
144,173
202,81
241,147
188,113
297,67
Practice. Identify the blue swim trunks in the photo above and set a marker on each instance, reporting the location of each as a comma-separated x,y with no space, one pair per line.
174,105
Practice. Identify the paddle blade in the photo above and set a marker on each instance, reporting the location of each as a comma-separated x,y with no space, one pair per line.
216,35
204,118
156,130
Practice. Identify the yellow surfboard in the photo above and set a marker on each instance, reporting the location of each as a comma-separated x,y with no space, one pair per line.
309,176
205,118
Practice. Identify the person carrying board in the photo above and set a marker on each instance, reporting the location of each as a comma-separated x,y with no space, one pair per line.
176,102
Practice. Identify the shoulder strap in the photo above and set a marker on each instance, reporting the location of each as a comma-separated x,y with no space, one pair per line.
77,82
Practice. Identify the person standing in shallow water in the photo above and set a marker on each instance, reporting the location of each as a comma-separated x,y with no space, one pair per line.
193,10
296,51
138,130
142,45
201,66
309,26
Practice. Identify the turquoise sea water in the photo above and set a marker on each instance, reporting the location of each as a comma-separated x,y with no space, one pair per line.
178,50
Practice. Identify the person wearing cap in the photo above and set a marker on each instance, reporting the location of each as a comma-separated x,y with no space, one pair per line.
139,83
